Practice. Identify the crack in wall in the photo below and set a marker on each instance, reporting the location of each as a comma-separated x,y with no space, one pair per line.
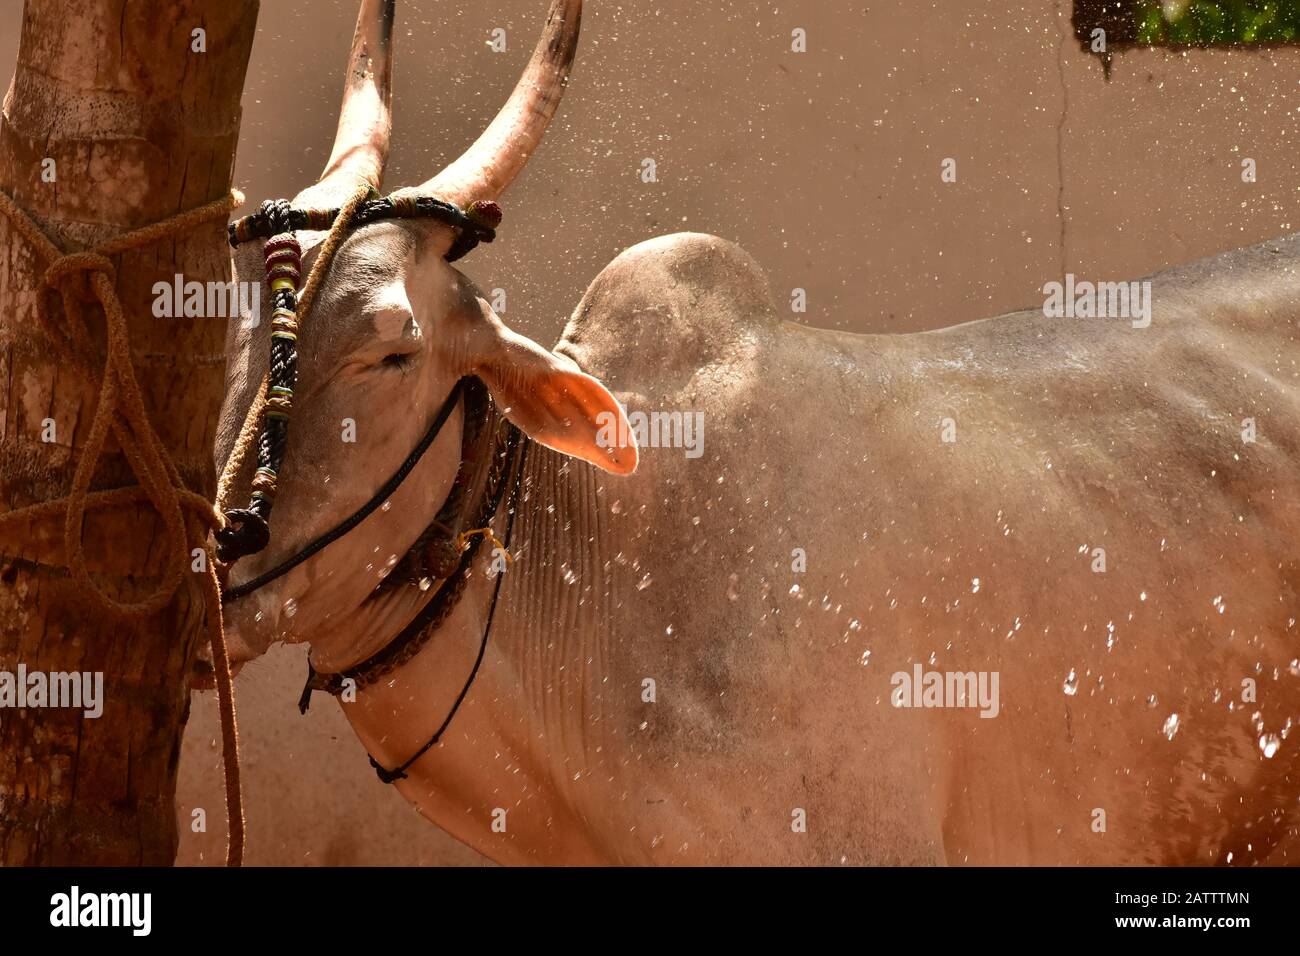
1060,142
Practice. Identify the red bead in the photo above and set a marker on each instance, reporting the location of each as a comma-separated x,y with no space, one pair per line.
283,241
485,212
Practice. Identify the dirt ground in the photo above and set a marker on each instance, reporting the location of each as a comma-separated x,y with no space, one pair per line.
825,165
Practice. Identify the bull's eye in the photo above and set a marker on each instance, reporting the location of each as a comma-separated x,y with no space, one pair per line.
398,360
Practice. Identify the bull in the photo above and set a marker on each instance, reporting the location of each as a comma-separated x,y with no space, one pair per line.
747,654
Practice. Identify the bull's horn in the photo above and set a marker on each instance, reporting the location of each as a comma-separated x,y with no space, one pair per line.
496,158
366,116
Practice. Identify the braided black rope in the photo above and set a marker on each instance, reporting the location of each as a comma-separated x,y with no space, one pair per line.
476,224
378,498
399,773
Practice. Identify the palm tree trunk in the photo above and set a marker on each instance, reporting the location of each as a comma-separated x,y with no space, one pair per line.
139,114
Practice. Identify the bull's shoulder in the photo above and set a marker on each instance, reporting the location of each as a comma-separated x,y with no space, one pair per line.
671,305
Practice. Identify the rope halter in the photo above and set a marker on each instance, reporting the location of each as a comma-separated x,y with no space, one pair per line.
248,529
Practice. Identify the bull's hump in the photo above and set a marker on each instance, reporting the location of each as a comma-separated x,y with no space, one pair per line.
677,302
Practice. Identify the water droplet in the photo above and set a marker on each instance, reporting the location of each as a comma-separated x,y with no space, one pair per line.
1170,726
795,589
385,506
1268,745
974,585
1071,685
643,583
616,508
1294,667
569,576
290,607
866,658
733,592
424,584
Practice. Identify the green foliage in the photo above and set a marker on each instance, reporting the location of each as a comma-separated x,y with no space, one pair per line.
1219,22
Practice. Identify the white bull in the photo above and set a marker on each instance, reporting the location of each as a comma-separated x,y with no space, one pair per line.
1022,591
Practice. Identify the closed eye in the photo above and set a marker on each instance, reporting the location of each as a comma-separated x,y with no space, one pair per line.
399,360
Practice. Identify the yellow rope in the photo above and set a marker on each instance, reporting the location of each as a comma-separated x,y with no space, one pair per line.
462,541
89,276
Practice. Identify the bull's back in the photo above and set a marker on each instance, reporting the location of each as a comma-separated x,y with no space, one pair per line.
1072,506
1106,517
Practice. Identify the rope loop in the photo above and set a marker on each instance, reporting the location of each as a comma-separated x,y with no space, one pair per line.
80,265
463,539
83,278
246,533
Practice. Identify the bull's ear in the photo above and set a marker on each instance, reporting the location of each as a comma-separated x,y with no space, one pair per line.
551,400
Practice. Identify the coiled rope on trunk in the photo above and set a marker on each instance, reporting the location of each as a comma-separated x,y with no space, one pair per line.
88,276
83,278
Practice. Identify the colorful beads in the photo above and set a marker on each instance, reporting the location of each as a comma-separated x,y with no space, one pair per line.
280,399
284,324
283,246
321,218
283,257
264,482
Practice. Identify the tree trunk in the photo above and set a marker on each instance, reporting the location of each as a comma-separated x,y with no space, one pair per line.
140,125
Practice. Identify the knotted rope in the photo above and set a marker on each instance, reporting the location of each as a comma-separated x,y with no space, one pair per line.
465,537
83,278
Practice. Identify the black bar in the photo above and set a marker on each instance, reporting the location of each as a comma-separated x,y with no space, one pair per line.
385,907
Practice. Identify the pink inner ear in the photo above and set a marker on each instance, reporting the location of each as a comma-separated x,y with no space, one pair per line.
557,405
575,414
550,399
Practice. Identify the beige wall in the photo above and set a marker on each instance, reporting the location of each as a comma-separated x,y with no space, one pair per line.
824,165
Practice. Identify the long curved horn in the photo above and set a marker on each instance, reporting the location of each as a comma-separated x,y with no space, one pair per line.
366,116
487,168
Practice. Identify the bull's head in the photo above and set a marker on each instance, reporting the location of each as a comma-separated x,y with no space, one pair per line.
392,330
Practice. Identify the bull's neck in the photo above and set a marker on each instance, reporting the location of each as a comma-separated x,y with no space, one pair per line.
526,726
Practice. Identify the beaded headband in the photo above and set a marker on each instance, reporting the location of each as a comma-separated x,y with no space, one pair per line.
475,224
